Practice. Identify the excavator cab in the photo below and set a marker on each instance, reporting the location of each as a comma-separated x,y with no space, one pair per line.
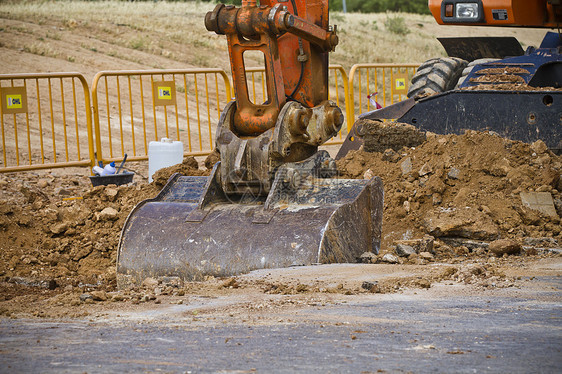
273,200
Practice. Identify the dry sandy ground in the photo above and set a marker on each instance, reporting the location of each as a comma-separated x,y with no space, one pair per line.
266,296
84,37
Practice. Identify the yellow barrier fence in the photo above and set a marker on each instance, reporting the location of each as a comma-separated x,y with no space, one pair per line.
132,108
45,121
389,81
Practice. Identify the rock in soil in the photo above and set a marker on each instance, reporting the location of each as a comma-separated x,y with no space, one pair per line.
368,258
380,136
390,259
371,286
504,246
404,250
99,295
426,256
107,214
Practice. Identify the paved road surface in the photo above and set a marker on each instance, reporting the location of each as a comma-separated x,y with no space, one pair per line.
394,333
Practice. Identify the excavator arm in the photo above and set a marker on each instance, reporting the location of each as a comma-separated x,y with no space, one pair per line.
272,200
255,139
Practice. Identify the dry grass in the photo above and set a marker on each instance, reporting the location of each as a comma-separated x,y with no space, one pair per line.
41,49
172,30
175,32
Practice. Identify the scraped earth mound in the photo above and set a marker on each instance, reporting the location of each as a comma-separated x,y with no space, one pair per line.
500,85
450,201
504,79
189,166
57,230
462,186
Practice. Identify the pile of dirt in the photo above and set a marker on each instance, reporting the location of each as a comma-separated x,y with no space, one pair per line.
465,186
500,78
499,85
392,135
504,79
59,230
190,166
505,70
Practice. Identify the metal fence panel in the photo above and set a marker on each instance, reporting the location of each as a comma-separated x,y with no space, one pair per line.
366,79
52,125
45,121
132,108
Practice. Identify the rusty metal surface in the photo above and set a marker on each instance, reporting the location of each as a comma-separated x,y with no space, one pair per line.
352,142
322,221
249,164
305,68
253,28
474,48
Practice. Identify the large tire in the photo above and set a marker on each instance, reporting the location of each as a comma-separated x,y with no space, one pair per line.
437,75
471,66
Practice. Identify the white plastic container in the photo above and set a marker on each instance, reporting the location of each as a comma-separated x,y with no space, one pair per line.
97,170
109,169
164,153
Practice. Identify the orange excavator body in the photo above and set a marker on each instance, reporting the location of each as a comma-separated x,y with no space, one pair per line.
513,13
313,86
294,37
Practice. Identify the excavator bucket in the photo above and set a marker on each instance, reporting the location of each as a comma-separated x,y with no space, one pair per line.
271,203
192,229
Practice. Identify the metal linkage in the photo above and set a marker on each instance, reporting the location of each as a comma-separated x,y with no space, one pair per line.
253,28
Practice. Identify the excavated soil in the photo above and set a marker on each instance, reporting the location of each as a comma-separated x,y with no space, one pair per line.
497,84
57,229
504,79
448,197
462,186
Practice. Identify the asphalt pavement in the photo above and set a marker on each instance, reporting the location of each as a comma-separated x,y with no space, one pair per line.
395,333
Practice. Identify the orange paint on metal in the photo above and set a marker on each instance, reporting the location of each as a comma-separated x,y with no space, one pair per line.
292,66
525,13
